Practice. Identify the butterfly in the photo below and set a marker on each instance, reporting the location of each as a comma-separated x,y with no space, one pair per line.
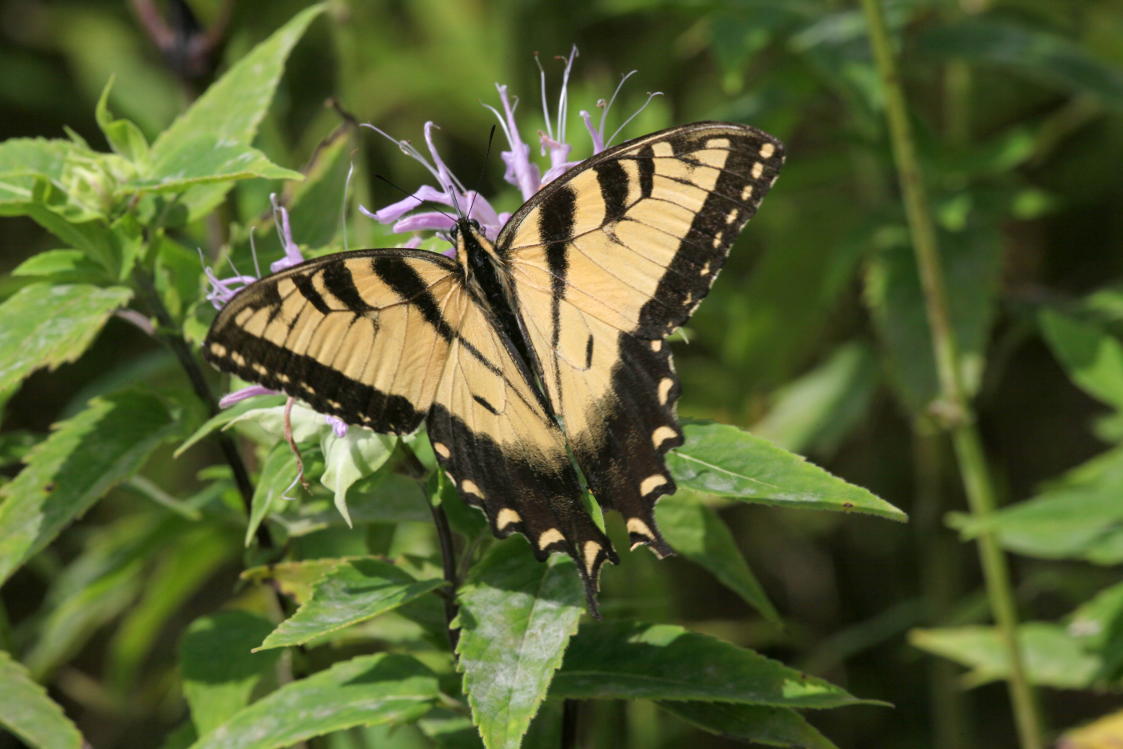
532,355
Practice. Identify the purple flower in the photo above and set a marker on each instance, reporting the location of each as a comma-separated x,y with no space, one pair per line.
407,216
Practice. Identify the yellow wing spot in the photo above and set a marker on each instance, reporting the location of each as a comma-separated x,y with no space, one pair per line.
238,358
283,377
259,368
662,150
218,349
441,449
590,552
469,487
656,346
758,169
638,527
661,435
665,386
717,143
651,483
767,150
550,538
705,269
717,239
731,216
747,192
506,517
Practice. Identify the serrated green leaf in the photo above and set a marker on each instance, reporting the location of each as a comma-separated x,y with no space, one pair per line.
73,468
893,293
220,671
231,109
725,460
636,660
1037,53
699,534
27,711
1091,356
355,591
516,617
358,453
364,691
771,726
124,137
278,473
818,409
202,160
30,340
62,267
1053,657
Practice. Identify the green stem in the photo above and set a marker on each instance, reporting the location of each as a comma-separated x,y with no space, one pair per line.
954,410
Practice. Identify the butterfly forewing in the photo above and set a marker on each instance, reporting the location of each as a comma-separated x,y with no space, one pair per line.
359,335
608,260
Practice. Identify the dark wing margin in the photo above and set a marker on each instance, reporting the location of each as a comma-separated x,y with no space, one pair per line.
496,441
359,335
606,262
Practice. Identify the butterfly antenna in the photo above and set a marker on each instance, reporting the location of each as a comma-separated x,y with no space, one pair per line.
408,194
483,168
253,254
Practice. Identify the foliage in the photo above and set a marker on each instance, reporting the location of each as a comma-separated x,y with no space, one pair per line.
187,597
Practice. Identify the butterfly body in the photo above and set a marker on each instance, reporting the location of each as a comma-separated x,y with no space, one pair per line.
525,354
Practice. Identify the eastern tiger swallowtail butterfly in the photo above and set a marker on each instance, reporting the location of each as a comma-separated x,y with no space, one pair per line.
524,356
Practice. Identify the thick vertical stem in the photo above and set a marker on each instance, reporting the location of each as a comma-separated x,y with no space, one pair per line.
956,412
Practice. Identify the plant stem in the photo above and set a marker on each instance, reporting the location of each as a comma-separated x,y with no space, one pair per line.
448,551
168,332
570,710
954,411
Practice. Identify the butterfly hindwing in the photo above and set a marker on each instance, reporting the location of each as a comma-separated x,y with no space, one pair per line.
608,260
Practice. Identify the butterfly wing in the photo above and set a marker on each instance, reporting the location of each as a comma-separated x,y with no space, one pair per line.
495,439
359,335
386,338
607,261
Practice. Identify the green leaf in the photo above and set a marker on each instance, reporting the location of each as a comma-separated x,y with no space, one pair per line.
317,204
771,726
220,670
62,266
1091,356
1053,657
30,339
725,460
699,534
353,592
231,109
349,458
27,711
277,474
970,261
1039,54
82,459
1076,516
817,410
516,617
636,660
124,137
295,579
202,160
365,691
228,415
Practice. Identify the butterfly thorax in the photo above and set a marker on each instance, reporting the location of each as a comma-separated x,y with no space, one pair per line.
486,276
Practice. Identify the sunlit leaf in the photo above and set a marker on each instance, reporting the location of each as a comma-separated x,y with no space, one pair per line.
516,617
355,591
66,474
364,691
725,460
27,711
30,340
770,726
1090,355
635,660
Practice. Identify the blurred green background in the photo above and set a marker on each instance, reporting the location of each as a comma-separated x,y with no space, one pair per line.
814,336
